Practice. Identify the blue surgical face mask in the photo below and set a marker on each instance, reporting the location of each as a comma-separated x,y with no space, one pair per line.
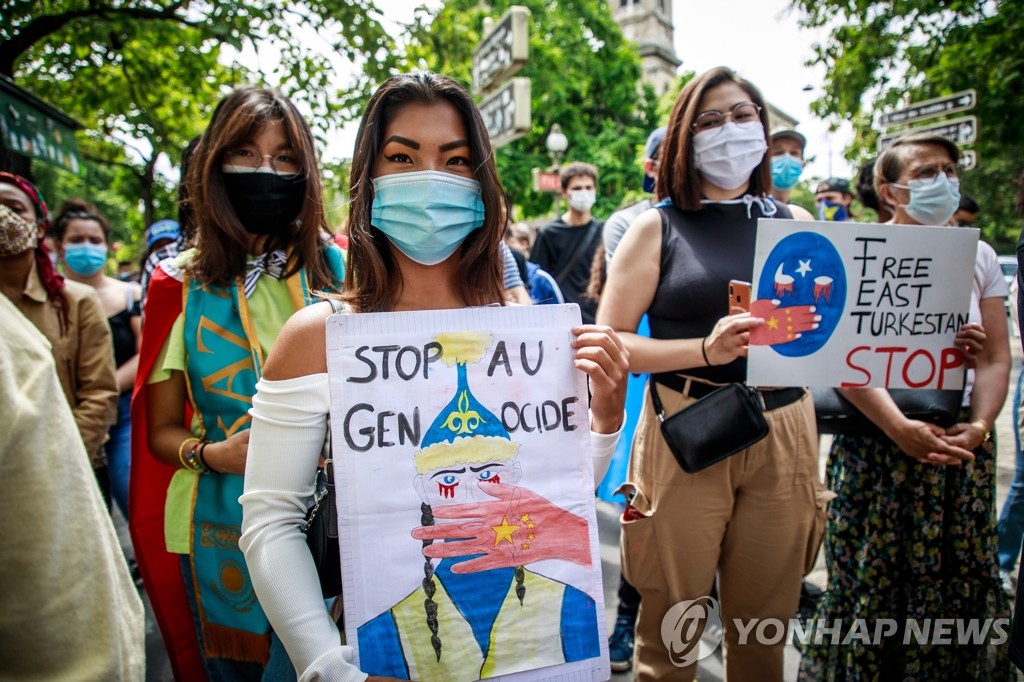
426,214
933,201
85,259
786,170
832,211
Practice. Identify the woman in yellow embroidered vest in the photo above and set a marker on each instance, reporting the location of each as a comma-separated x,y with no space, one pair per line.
427,216
213,314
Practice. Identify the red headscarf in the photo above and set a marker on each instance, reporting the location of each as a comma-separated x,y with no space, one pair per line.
51,279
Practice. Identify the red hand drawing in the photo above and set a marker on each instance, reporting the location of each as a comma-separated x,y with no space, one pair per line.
518,528
781,325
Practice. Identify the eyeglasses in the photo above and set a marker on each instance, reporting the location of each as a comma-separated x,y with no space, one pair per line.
933,172
744,112
248,161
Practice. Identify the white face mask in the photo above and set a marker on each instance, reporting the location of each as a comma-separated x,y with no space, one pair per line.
582,199
727,155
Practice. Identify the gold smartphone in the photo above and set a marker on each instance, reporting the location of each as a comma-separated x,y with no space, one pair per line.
739,296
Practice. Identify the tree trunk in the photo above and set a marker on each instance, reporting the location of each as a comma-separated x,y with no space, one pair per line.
146,180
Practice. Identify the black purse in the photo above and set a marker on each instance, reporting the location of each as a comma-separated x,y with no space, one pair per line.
321,527
322,532
720,424
837,415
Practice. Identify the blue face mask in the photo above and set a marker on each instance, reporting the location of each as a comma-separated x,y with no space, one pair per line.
830,210
786,170
426,214
85,259
933,201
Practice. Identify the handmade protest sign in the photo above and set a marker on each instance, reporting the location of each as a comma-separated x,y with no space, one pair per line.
466,495
851,305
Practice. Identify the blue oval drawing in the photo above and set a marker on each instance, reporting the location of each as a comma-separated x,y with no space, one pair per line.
805,269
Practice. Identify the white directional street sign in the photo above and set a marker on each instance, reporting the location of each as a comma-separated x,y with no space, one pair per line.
506,113
940,106
963,130
968,159
503,51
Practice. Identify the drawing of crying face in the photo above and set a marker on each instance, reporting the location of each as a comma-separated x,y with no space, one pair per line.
458,484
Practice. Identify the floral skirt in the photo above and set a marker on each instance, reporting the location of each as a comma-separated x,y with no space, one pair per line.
908,544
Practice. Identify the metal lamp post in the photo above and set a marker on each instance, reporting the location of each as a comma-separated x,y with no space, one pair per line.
556,143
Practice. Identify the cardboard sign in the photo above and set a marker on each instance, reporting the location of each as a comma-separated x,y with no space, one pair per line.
855,304
461,447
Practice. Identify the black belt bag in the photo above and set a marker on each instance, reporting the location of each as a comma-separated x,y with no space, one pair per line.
723,421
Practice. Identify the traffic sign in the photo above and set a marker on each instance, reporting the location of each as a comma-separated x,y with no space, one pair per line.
968,159
940,106
963,130
506,113
502,51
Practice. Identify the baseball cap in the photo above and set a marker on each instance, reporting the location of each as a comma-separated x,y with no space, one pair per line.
162,229
789,132
834,185
654,141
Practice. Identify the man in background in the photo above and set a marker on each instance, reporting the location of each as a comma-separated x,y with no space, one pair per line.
565,247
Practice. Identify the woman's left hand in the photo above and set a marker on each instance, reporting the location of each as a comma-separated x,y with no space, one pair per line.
600,353
971,340
968,436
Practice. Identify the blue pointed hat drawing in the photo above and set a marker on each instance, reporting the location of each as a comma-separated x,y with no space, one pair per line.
464,432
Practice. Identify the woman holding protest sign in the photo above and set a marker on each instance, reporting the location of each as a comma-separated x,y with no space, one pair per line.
427,216
212,315
912,533
750,517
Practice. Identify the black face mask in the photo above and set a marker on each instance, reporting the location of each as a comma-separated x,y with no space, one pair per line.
265,203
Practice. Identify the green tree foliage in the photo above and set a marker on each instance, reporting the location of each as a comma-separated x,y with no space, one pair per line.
143,77
584,76
882,55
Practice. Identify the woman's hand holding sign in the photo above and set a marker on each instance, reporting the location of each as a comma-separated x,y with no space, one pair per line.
766,324
519,527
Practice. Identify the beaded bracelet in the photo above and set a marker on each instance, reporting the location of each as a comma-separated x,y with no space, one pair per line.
181,451
193,460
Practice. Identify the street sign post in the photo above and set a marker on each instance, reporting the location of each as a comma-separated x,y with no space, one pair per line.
963,130
940,106
507,112
546,181
502,51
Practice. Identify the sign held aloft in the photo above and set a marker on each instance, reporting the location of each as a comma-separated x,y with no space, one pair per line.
857,305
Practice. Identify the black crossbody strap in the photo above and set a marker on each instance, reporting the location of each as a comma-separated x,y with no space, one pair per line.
659,410
587,241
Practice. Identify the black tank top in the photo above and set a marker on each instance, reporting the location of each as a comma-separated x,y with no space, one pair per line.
121,328
700,252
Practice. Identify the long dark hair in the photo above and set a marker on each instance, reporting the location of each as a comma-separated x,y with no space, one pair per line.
372,279
221,241
678,177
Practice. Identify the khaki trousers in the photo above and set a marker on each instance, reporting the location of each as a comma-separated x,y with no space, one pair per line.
752,518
